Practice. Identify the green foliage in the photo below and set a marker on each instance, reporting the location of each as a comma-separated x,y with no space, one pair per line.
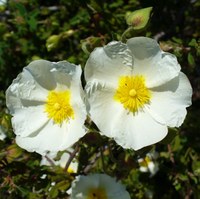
59,30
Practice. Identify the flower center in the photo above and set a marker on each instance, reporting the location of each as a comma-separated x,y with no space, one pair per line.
58,106
145,162
97,193
132,92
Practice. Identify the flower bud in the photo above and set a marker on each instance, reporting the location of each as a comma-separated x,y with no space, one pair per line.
13,152
139,18
52,42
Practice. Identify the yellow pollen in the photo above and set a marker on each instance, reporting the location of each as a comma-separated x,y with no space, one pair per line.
97,193
132,92
58,107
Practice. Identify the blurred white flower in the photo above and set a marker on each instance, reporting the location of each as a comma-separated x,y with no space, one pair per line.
136,91
149,163
2,133
3,2
46,101
98,186
73,167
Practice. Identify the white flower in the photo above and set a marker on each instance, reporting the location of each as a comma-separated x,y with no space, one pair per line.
2,133
149,164
73,167
135,91
99,186
46,101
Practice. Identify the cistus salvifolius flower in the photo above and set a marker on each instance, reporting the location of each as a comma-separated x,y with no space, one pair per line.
136,91
99,186
46,102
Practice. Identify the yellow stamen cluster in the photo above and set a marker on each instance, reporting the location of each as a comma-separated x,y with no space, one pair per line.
97,193
58,106
132,92
145,162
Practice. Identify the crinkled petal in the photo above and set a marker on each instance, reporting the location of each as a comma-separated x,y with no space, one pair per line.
41,70
24,90
156,66
108,63
65,74
170,100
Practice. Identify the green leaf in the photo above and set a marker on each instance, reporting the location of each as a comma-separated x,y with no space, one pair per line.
22,9
139,18
191,59
193,43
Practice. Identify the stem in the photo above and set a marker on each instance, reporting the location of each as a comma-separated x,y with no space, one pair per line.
50,160
111,154
102,159
123,37
88,167
71,157
171,154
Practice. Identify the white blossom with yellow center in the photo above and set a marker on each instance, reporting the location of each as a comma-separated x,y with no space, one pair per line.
98,186
46,101
149,163
136,91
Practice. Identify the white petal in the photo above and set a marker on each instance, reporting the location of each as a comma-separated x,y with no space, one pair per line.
138,130
65,74
52,138
82,185
28,121
75,128
170,100
76,89
155,65
153,168
114,189
103,109
109,63
41,72
143,169
24,91
143,48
